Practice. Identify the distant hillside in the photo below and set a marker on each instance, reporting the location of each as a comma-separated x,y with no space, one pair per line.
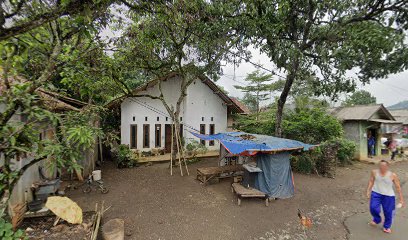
400,105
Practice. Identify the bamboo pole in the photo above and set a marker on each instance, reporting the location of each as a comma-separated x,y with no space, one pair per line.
171,152
184,157
178,149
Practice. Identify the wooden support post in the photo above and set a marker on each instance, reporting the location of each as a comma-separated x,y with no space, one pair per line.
178,148
183,156
100,149
171,152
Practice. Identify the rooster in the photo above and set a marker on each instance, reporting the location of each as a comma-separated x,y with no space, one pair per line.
304,221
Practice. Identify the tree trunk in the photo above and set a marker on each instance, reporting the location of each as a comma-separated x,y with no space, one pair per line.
284,95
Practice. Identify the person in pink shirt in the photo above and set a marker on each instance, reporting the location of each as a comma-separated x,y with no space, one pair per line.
392,146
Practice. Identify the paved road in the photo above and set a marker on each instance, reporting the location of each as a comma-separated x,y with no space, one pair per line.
360,230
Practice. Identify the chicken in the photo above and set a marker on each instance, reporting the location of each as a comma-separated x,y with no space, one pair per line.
304,221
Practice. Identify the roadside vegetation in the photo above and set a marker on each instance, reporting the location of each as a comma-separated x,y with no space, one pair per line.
308,121
62,46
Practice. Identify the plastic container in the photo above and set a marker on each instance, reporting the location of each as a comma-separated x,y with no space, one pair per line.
97,175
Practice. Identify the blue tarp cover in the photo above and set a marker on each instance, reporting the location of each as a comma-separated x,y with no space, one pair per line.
241,142
276,176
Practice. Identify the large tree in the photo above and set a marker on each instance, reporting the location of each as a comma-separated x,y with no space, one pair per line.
259,86
361,97
326,41
179,37
21,16
40,58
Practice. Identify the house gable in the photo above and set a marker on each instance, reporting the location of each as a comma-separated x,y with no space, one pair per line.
204,105
362,112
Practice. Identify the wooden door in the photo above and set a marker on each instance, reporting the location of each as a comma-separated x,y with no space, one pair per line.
167,138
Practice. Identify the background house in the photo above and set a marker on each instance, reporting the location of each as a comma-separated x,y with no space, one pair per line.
359,121
401,116
56,103
146,124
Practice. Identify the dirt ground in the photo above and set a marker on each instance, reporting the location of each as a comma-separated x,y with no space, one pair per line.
156,205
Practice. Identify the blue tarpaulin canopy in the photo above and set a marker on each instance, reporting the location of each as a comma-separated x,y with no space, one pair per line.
250,144
272,157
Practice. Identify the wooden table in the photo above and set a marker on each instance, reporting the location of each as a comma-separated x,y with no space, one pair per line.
243,192
205,174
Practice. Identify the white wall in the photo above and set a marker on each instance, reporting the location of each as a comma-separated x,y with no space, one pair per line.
135,110
200,102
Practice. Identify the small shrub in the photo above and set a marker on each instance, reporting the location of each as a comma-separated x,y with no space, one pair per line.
325,158
346,151
124,157
194,147
7,233
303,163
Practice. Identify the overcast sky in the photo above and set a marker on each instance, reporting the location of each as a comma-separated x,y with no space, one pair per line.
387,91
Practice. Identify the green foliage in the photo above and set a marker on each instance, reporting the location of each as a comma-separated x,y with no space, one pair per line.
331,45
124,157
311,125
308,122
324,158
258,87
58,54
194,147
303,163
7,233
345,152
250,101
361,97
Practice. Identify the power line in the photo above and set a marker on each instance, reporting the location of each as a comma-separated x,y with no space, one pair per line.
403,92
396,87
236,80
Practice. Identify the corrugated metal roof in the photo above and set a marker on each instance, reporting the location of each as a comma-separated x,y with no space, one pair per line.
361,112
385,121
400,115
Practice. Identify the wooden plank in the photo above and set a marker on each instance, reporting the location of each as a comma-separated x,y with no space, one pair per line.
247,192
243,192
220,169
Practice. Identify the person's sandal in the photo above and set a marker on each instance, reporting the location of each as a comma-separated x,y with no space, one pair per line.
387,230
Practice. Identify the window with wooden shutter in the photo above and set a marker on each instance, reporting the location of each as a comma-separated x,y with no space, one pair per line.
146,135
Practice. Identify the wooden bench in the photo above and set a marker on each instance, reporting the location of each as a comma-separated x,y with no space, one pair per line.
205,174
243,192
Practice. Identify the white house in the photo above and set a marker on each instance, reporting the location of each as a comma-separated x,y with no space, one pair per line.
146,124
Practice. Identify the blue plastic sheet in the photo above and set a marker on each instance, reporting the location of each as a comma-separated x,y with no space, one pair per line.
276,177
241,142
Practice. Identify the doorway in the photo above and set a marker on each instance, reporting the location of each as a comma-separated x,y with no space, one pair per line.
167,138
371,142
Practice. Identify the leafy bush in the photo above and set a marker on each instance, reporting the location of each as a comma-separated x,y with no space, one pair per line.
346,151
304,162
7,233
124,157
309,124
325,158
312,126
194,147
